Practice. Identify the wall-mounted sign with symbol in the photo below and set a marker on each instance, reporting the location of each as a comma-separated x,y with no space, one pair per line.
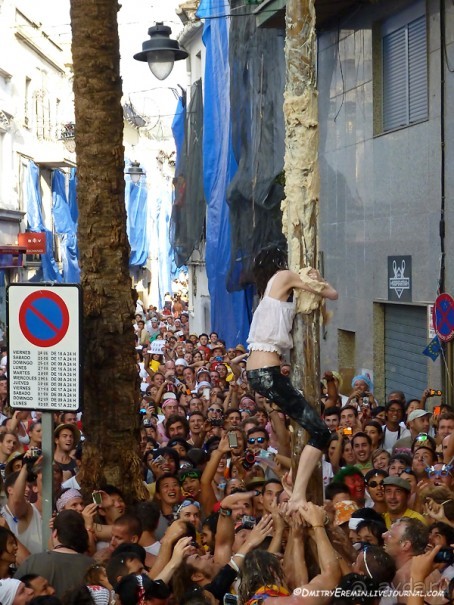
443,317
35,243
399,278
44,360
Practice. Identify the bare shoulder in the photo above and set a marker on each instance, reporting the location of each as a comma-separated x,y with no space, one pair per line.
283,282
287,278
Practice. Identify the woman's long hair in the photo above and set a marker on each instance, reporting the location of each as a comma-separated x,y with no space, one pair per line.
5,533
266,263
182,582
260,568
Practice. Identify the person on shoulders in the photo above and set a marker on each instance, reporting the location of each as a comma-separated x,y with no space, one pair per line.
275,285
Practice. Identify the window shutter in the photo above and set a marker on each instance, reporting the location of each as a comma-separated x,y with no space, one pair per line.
417,70
405,80
395,90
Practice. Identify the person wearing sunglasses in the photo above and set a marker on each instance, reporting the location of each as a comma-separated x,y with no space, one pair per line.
190,482
423,440
215,411
374,484
398,463
270,335
189,510
257,439
440,474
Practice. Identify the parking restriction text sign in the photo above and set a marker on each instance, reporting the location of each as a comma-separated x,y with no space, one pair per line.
44,361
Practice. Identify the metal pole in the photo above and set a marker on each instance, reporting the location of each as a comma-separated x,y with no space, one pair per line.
48,483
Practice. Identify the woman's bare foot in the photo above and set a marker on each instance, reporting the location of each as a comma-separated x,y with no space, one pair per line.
295,503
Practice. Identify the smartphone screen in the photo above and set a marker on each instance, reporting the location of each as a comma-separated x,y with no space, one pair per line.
233,441
97,498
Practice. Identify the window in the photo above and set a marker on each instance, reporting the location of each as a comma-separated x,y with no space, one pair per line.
404,69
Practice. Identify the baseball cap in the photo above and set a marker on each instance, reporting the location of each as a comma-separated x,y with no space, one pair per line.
203,370
181,362
8,590
418,414
397,482
203,385
169,395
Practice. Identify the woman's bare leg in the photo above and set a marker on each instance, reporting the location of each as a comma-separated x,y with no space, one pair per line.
310,457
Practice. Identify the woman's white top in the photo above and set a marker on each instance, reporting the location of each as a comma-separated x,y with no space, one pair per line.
272,324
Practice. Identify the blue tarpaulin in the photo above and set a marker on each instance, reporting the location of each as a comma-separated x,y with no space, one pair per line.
230,316
136,198
66,229
72,196
49,270
161,245
178,127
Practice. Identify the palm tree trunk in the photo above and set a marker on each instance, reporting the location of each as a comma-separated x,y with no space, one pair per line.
300,208
111,419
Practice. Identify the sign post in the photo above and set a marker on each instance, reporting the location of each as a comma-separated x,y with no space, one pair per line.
44,362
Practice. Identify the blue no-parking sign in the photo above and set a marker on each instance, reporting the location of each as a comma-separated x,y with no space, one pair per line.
44,361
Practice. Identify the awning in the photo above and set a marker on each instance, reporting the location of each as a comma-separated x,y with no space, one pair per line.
12,256
53,163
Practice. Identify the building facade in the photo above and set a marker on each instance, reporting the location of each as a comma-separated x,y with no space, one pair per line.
386,84
35,109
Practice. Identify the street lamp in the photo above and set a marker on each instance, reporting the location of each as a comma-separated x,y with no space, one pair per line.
160,51
135,171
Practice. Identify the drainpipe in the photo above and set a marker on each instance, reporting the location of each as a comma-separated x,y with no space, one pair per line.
448,367
441,282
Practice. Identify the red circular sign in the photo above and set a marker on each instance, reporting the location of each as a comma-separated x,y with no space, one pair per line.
44,318
443,317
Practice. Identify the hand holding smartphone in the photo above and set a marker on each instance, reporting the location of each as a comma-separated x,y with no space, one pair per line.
97,498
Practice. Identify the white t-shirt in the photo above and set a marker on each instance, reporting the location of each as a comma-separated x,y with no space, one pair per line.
327,471
31,538
390,437
154,548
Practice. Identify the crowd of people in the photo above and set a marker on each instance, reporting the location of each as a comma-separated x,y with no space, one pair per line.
222,523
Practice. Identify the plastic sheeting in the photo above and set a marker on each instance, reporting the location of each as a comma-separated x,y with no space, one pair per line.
189,208
49,270
178,127
136,200
66,229
160,246
72,196
257,64
230,312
